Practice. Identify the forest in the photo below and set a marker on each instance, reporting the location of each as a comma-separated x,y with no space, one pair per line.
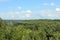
29,29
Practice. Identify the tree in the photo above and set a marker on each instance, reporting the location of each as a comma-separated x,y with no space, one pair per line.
0,22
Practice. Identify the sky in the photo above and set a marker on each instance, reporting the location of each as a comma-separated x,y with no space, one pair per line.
29,9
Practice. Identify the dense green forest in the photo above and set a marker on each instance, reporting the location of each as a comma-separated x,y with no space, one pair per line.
29,29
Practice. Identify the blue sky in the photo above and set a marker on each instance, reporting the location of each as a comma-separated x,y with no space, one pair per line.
29,9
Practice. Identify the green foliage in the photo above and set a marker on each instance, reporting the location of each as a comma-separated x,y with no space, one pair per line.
30,30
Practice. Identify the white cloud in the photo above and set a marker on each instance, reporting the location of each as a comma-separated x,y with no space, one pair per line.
28,15
11,15
23,16
52,4
45,12
14,13
58,9
18,13
51,15
19,7
28,11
